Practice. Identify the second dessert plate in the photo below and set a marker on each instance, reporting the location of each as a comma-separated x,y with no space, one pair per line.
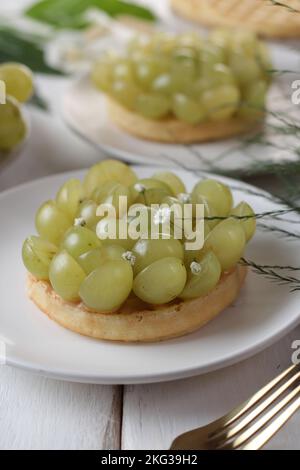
84,111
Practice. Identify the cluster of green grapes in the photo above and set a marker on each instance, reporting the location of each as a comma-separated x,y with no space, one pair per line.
193,78
82,265
18,82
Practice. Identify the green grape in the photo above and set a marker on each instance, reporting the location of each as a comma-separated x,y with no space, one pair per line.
244,42
160,282
249,225
113,199
66,276
163,44
193,255
199,86
99,194
138,189
102,75
147,252
139,43
51,222
227,240
189,39
13,128
187,109
220,37
147,69
37,255
150,223
107,287
211,54
108,170
69,196
153,196
110,252
79,240
218,75
125,93
186,55
210,211
153,105
18,80
163,84
222,102
203,276
171,200
254,100
177,214
245,69
86,214
172,180
216,193
92,259
183,74
115,232
122,70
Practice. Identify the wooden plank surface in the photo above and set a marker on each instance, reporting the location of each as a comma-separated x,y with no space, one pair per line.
40,413
153,415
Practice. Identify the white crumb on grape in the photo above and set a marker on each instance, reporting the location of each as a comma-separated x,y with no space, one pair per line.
195,267
129,256
79,222
139,187
184,198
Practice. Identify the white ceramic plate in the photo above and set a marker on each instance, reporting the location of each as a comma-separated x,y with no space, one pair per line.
263,313
84,111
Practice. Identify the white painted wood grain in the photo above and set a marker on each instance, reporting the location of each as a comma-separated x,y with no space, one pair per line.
153,415
40,413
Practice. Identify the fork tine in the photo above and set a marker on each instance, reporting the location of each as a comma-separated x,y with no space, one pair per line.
237,412
202,438
261,422
264,436
224,434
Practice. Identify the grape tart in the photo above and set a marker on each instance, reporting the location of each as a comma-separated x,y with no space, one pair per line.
281,20
135,290
185,88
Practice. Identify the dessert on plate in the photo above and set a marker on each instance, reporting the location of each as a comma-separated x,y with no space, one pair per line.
129,286
264,17
186,88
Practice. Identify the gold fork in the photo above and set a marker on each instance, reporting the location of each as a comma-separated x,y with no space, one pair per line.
251,425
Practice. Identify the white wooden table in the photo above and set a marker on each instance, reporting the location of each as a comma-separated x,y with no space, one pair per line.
39,413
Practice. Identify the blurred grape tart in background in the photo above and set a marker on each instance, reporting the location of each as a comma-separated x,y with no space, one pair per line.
18,88
135,289
186,88
264,17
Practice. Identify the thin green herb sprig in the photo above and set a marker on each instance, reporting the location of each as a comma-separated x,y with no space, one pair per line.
275,273
282,233
283,5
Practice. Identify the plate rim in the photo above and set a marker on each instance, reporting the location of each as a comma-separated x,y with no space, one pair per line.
81,377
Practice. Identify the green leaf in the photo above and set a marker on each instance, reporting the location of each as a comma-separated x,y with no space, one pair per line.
70,13
15,48
60,13
117,7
